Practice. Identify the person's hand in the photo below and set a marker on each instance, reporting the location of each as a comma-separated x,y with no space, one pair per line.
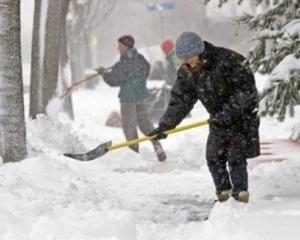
101,70
159,134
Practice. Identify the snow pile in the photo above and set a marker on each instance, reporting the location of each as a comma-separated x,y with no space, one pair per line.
271,128
257,221
276,180
48,136
274,210
54,107
47,198
57,198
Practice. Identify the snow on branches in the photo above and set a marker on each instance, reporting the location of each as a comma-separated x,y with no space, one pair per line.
276,53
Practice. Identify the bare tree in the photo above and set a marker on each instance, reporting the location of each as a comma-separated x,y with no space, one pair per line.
51,51
64,60
49,30
12,122
36,68
87,16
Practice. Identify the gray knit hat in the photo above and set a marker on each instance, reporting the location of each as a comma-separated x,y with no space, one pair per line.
189,44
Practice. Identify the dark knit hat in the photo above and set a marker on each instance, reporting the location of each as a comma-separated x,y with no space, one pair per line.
127,40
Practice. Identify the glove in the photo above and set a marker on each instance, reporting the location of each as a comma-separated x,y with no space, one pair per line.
159,134
101,70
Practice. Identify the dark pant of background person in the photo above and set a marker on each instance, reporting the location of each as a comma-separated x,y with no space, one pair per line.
225,146
134,115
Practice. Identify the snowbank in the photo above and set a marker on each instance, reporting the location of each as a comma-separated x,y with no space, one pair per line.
47,198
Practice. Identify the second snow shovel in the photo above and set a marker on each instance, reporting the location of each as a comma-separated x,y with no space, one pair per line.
106,147
72,88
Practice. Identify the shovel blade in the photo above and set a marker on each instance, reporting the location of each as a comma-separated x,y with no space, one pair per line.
90,155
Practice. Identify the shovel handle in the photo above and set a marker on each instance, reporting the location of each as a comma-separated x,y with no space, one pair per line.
70,89
147,138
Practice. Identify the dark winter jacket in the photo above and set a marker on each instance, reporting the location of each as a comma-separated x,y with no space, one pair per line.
227,90
130,74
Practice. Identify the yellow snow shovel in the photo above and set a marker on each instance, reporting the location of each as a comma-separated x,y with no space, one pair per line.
106,147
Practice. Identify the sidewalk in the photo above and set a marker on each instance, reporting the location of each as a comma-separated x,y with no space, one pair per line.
276,151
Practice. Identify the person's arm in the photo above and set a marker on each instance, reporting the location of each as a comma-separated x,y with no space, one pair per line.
117,76
183,97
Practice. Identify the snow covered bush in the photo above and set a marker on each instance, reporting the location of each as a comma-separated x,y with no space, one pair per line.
277,53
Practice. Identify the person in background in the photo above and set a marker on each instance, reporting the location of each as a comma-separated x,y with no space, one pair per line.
160,97
158,71
173,63
222,80
130,73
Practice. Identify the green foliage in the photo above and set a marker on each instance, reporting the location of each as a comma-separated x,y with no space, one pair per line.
281,97
257,2
276,41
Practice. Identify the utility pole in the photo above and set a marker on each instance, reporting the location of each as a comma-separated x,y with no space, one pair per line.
160,8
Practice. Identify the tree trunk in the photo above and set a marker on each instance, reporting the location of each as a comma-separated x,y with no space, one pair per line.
77,69
64,59
75,27
51,52
48,56
88,58
12,122
35,105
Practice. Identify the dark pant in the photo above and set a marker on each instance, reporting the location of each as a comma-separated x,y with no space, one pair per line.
224,146
135,114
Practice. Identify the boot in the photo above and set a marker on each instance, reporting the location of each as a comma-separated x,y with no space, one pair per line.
224,195
160,153
243,197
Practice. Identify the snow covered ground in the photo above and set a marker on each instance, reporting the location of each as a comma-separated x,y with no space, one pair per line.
126,196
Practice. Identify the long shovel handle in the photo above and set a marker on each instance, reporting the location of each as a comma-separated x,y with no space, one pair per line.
70,89
147,138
